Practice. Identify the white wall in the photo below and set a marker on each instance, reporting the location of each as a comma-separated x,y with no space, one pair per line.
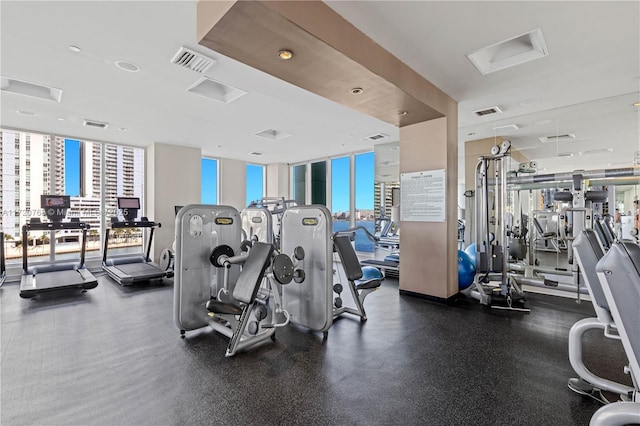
173,179
233,183
278,180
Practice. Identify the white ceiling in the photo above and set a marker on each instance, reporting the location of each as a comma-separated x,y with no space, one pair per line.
586,85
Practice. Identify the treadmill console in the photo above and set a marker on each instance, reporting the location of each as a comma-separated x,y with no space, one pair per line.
55,206
129,207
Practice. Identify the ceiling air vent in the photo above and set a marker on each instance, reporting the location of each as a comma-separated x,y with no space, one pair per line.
24,88
565,154
216,90
98,124
272,134
376,137
557,138
256,153
187,58
486,111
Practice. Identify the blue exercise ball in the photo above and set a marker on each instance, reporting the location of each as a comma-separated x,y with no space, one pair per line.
371,273
466,270
472,251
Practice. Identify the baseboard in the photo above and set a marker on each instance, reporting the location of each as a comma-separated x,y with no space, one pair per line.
441,300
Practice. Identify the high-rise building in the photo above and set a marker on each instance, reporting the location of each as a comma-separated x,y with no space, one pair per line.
31,165
26,174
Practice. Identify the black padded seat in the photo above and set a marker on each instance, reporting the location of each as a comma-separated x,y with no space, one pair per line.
363,285
541,231
223,308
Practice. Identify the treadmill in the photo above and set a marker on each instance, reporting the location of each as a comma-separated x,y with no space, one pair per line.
54,276
130,269
3,267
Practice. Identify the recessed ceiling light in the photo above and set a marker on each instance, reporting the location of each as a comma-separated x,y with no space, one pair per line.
127,66
61,118
637,104
75,48
403,113
122,129
357,90
285,54
27,113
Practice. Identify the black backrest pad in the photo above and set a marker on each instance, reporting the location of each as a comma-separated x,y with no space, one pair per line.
348,256
252,272
589,253
538,226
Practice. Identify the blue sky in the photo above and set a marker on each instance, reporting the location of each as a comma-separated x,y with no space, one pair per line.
255,183
364,182
72,167
209,181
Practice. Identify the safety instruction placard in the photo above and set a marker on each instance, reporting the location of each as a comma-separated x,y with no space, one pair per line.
422,196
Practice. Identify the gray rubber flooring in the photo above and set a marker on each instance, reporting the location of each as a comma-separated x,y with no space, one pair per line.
113,356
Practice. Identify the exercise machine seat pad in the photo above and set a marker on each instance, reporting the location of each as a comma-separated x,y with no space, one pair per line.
347,254
252,272
223,308
124,260
55,267
366,284
541,231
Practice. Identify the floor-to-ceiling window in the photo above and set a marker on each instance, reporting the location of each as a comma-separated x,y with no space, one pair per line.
300,184
255,183
26,175
33,164
78,165
124,177
319,182
340,192
364,196
209,183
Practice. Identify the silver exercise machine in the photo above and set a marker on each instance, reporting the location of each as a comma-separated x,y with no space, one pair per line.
619,275
588,252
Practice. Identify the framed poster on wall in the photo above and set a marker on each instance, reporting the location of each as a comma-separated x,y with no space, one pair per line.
423,196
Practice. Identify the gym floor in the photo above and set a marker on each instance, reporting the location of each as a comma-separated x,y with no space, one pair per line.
113,356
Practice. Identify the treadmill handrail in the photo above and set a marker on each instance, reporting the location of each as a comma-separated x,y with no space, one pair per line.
135,224
52,226
131,224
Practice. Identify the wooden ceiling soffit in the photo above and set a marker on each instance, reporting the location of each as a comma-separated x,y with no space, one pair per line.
253,33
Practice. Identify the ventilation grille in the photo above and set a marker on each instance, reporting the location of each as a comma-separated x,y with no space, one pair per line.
558,138
487,111
187,58
565,154
256,153
376,137
272,134
98,124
